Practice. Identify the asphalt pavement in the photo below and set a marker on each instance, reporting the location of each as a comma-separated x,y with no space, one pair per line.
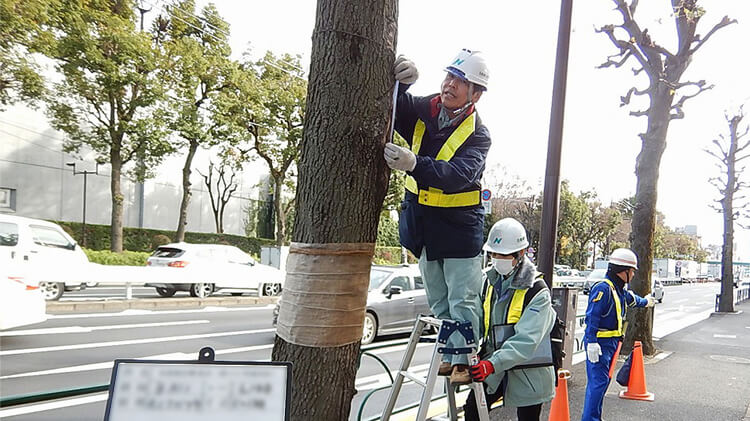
701,372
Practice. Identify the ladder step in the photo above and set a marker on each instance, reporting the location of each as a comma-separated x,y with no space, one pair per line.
413,377
431,321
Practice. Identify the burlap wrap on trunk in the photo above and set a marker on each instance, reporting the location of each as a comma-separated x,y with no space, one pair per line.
325,294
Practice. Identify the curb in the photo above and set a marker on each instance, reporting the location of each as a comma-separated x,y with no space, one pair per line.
58,307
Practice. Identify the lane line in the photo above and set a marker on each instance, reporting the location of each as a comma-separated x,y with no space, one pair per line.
81,329
133,342
719,335
108,364
136,312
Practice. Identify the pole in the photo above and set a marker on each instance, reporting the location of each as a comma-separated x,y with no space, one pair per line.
550,205
140,173
83,236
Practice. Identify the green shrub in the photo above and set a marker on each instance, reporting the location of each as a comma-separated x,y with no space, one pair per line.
159,240
126,258
391,256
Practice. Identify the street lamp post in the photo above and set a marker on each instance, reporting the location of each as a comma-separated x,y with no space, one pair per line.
85,176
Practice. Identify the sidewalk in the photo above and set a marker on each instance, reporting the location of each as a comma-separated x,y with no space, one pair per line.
702,373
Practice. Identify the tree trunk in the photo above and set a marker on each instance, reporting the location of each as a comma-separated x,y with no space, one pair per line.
116,192
654,141
342,183
726,299
280,214
182,224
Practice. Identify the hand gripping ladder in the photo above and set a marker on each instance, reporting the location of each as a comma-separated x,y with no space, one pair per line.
447,327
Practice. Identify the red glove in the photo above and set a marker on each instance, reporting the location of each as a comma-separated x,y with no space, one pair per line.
480,371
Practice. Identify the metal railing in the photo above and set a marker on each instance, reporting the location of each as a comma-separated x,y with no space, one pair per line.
740,295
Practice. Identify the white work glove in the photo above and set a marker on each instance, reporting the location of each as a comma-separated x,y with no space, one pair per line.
405,71
650,301
593,351
399,158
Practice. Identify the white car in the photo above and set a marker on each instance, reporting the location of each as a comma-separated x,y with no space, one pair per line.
214,267
46,250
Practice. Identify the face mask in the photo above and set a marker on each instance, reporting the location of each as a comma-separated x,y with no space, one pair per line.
503,266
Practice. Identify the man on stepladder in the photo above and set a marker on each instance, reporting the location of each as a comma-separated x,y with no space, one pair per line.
442,217
518,319
608,302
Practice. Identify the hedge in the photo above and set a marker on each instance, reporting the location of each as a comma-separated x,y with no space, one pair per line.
127,258
146,240
391,256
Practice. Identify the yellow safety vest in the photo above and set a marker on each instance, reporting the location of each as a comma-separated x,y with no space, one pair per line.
618,308
515,308
433,196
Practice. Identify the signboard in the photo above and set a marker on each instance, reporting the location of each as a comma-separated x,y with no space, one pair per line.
486,194
151,390
487,205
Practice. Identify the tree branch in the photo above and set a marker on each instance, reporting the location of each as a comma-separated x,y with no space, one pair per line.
725,21
641,113
677,108
625,100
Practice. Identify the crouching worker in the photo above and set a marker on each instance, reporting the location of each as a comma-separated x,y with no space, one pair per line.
516,357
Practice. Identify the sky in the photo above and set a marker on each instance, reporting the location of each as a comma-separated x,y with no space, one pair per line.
600,140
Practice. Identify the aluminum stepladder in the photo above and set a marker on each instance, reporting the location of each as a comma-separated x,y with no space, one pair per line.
447,327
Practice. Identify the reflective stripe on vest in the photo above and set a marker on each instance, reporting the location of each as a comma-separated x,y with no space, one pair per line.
515,308
618,308
435,197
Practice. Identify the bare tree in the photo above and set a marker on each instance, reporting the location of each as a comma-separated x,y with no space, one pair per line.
729,155
219,190
342,182
664,70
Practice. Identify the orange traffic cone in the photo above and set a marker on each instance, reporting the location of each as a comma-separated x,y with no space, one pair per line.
559,410
637,382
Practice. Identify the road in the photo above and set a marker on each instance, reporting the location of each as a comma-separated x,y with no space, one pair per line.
76,350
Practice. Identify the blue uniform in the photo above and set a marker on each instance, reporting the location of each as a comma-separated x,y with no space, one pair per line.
601,317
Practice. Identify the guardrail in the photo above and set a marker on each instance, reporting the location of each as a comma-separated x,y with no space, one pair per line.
740,295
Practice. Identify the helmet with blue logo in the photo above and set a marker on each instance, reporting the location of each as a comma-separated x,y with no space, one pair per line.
507,236
470,66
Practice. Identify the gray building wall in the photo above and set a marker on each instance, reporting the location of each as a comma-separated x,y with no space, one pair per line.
33,164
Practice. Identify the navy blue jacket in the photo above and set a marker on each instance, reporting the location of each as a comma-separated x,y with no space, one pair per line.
445,232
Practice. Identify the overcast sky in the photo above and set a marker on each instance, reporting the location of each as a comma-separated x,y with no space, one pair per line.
600,142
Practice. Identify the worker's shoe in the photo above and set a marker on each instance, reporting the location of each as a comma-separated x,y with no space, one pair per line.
445,369
460,374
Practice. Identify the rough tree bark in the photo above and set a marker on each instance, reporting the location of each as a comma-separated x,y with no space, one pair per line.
342,175
182,224
664,70
115,229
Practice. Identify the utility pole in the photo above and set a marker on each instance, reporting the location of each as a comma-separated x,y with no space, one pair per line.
140,165
550,206
85,187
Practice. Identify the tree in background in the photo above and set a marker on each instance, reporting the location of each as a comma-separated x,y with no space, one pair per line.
664,70
220,188
199,68
266,113
24,28
110,89
342,183
729,152
512,197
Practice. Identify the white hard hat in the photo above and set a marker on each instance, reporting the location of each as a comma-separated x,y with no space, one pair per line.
507,236
624,257
470,65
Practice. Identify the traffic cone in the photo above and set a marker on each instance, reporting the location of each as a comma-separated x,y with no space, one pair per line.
559,410
637,383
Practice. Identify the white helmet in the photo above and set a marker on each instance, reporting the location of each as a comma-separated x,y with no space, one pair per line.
624,257
507,236
470,66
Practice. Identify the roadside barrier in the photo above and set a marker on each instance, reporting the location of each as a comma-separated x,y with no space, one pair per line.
559,409
740,295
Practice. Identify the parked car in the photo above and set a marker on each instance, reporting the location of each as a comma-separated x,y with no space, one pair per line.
595,276
396,297
657,290
45,248
21,300
221,267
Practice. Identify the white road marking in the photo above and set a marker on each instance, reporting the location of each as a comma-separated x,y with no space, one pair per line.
133,342
679,301
81,329
660,356
135,312
108,364
31,409
718,335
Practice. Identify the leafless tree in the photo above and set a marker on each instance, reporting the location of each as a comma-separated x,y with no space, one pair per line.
219,190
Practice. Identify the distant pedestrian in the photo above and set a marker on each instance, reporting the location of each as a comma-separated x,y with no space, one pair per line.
608,302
